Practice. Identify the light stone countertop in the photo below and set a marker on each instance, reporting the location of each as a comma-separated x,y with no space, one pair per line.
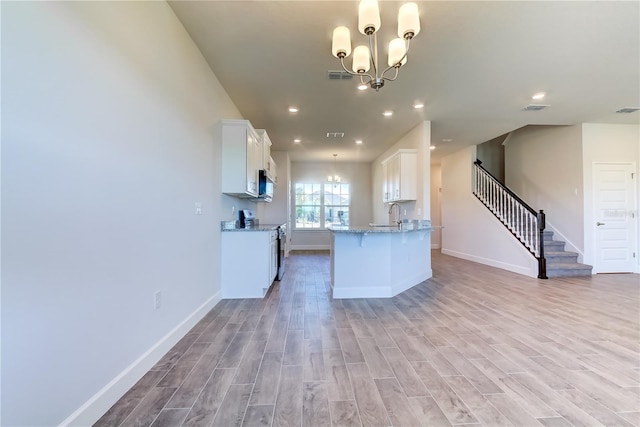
259,227
366,229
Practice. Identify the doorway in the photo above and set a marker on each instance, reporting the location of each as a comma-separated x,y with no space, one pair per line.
615,217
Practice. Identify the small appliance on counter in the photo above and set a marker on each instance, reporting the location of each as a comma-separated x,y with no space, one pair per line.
247,218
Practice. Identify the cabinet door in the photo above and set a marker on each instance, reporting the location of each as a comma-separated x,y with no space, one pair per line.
274,260
394,178
407,176
274,170
266,152
253,149
385,182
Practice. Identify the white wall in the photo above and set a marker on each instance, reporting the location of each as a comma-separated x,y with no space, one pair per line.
611,143
470,230
419,138
543,165
358,175
108,140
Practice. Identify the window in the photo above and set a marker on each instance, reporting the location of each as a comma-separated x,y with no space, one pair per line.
321,205
336,204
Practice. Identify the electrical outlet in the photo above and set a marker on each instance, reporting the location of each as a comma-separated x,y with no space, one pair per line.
157,300
198,208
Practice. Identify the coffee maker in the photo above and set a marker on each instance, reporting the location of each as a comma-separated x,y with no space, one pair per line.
247,218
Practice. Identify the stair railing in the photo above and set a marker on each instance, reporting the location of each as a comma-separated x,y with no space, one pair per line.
522,220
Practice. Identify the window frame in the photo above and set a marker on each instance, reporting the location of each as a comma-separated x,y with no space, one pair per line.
323,208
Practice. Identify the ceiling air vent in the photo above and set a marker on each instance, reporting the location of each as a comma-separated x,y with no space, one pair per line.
627,110
335,134
339,75
535,107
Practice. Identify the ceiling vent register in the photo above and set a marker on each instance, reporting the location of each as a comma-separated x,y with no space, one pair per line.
535,107
339,75
627,110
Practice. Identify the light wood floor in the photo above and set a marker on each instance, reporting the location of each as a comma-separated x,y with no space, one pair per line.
474,345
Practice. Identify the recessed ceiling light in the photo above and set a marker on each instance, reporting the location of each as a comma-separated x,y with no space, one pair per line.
538,96
293,109
358,141
447,140
432,147
387,113
297,141
362,87
418,105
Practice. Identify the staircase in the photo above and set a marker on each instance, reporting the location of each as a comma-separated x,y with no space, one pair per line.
527,225
561,263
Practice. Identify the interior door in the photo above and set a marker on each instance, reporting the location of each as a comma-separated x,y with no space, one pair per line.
615,217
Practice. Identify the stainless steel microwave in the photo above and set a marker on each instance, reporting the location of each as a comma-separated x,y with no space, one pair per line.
265,187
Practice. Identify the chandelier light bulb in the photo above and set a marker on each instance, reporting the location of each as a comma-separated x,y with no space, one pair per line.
368,17
397,50
341,42
361,62
408,21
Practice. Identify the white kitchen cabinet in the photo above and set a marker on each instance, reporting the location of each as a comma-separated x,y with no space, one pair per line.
249,263
400,176
274,170
273,259
241,158
266,161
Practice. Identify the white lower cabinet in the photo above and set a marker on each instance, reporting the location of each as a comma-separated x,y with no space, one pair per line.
249,263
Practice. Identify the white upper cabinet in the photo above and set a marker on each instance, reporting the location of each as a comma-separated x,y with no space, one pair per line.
266,162
274,170
241,158
400,176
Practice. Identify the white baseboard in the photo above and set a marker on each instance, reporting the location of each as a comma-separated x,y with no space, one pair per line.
531,272
380,291
100,403
359,291
398,288
310,247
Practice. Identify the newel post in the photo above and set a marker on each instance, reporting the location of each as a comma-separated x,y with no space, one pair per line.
542,262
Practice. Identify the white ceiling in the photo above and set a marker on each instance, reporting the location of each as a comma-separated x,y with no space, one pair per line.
475,66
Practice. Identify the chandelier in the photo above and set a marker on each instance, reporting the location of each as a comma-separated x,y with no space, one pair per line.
334,178
365,57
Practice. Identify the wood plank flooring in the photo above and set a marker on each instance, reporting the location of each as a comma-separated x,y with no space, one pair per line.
474,345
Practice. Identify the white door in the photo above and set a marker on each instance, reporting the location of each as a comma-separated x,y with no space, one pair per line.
615,217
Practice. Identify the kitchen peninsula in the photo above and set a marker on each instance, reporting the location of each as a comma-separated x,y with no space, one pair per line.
379,262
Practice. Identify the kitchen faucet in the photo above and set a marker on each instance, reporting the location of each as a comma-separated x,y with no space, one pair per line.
398,216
